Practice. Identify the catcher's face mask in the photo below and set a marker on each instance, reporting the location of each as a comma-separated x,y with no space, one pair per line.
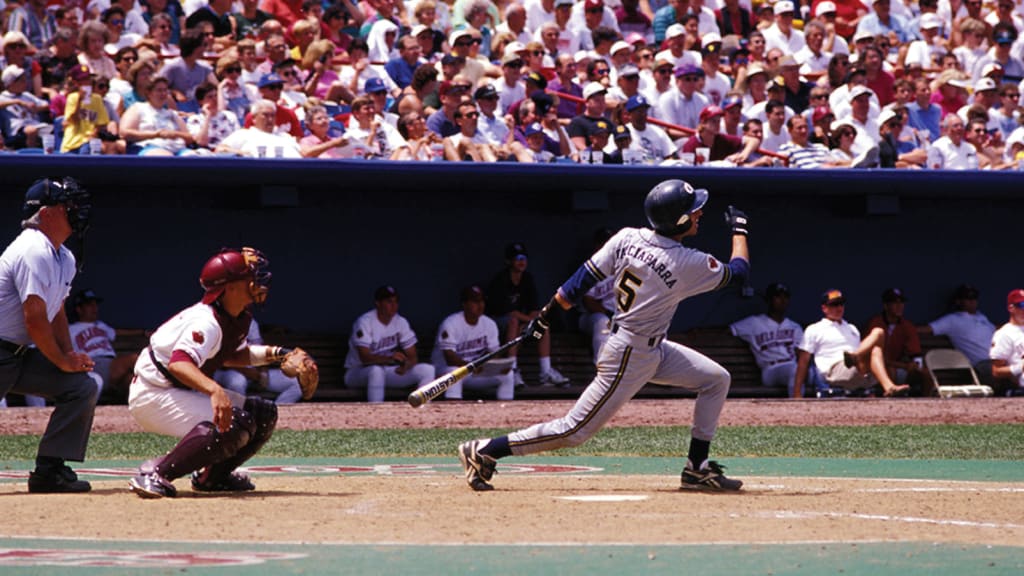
259,287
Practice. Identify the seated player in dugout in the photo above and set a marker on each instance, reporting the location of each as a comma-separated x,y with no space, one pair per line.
174,394
90,335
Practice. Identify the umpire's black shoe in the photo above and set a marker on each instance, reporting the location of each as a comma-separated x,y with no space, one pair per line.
59,480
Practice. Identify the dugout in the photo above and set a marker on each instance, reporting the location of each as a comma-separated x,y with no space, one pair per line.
334,230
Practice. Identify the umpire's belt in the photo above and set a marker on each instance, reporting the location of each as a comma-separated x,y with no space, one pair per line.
16,349
638,339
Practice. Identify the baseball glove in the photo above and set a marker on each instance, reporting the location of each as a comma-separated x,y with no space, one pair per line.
298,364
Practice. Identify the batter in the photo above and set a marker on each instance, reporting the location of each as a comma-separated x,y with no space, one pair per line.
653,272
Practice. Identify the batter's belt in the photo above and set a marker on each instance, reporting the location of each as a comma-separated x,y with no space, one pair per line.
638,339
17,349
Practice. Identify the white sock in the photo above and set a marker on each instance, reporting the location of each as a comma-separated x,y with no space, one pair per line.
545,364
515,363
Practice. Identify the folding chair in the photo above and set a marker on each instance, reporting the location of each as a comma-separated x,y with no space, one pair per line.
958,377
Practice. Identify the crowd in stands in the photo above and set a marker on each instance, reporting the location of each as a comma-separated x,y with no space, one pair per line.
819,84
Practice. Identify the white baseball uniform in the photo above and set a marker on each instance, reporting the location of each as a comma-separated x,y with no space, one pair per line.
773,345
382,339
199,334
651,274
470,341
1008,345
598,325
97,340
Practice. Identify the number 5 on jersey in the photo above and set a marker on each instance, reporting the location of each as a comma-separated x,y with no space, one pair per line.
627,288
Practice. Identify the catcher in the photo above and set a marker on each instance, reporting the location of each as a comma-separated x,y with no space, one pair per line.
173,392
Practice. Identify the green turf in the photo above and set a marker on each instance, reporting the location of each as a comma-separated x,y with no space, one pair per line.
957,442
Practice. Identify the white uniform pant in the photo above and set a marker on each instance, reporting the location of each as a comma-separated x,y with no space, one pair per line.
502,386
627,363
597,325
172,411
376,378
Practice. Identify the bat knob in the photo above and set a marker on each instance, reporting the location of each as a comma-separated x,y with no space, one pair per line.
416,399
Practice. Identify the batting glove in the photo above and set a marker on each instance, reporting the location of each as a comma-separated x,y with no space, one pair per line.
737,220
537,327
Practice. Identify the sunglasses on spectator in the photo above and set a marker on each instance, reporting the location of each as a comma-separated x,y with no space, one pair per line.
163,27
117,21
978,130
233,70
595,10
537,52
286,73
846,133
469,42
275,87
818,96
647,57
102,85
17,45
131,59
600,71
1014,96
471,115
689,78
514,64
665,70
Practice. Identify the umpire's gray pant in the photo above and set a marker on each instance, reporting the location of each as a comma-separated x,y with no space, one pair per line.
625,364
74,396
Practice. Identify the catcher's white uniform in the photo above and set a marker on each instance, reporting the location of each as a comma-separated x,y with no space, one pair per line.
470,341
197,334
651,274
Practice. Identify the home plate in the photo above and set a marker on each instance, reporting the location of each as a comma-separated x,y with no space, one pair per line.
605,498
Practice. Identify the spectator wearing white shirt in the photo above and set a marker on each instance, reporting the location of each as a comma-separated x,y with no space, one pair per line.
515,23
775,132
510,86
649,140
929,50
683,105
833,42
863,120
782,34
676,52
813,59
260,141
952,152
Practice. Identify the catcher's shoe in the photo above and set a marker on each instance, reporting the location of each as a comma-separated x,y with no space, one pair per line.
234,482
152,485
709,478
480,468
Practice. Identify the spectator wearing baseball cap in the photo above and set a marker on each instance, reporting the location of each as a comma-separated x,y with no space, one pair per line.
627,85
650,142
1004,35
926,52
622,154
732,115
847,362
491,124
782,34
536,139
970,331
683,105
600,136
510,86
678,49
23,108
716,84
797,95
722,147
84,112
985,93
451,92
595,109
1007,344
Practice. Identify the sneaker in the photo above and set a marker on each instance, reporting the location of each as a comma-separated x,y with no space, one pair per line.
234,482
517,378
553,378
709,478
61,480
480,468
831,393
152,485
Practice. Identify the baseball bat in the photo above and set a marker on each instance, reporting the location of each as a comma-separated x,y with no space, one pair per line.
436,387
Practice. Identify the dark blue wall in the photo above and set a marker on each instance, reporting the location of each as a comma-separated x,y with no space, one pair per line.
335,230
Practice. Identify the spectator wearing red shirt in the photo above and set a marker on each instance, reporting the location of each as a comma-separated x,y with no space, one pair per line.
902,349
880,81
722,146
285,121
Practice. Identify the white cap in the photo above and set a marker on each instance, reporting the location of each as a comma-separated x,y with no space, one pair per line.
862,34
886,115
930,20
418,29
837,124
456,34
824,8
783,6
620,45
12,73
593,88
514,47
859,90
582,55
710,38
981,85
674,30
991,67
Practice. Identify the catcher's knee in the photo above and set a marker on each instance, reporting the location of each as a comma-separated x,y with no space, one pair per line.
264,415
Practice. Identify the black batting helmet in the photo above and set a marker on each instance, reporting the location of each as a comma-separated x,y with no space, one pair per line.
66,192
230,265
668,206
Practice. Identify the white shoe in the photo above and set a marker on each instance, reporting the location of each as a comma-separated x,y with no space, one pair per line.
517,378
553,378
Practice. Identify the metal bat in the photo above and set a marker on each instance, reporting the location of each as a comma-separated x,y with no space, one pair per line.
435,388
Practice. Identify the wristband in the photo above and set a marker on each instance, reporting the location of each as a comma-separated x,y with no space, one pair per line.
260,355
1017,369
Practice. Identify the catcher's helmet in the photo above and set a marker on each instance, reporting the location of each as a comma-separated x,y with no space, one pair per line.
230,265
669,205
66,191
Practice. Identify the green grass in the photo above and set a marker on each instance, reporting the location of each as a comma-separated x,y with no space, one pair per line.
954,442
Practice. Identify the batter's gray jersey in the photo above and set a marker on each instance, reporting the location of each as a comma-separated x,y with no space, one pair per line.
652,274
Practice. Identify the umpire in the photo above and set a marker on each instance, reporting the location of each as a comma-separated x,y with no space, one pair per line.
36,356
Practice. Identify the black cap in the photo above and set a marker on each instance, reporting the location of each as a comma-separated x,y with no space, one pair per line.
833,297
515,249
966,292
543,102
893,295
472,293
83,296
774,289
385,292
484,92
538,79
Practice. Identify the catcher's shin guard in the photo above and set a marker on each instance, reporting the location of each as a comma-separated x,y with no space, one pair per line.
264,416
205,445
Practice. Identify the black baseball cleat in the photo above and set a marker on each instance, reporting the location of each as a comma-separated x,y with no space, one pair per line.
710,478
151,486
233,482
61,480
480,468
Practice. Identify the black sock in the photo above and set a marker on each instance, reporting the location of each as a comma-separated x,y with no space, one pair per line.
699,450
45,464
497,448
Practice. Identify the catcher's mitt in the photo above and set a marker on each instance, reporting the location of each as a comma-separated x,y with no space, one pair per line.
298,364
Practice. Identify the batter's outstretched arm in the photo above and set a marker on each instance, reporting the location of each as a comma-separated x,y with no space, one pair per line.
579,284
